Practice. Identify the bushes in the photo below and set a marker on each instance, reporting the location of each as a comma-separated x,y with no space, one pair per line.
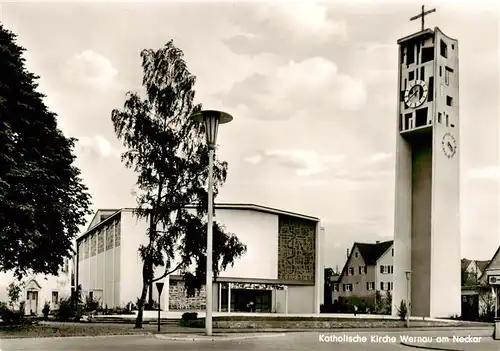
66,311
190,320
402,310
46,311
12,317
91,304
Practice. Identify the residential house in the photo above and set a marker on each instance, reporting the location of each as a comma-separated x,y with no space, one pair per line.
472,299
368,269
472,271
331,278
38,289
487,298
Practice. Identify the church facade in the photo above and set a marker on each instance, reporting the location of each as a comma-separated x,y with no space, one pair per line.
282,270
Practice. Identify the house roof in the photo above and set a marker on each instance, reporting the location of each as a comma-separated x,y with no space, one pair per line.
372,252
482,265
464,263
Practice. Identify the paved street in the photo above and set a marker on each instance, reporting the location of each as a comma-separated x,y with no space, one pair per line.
291,341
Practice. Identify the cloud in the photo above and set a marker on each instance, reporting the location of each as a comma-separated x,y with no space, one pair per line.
362,175
296,88
303,20
487,173
255,159
378,158
304,162
89,67
97,146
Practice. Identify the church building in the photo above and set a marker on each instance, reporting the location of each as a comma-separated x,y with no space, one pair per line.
281,272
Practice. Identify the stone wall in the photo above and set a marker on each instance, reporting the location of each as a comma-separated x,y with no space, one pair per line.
322,323
179,301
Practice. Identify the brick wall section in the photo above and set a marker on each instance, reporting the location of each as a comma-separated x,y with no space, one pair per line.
179,301
318,324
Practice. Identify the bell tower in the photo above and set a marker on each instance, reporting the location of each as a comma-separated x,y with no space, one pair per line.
427,196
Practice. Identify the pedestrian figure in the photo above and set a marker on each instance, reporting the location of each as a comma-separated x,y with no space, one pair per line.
355,309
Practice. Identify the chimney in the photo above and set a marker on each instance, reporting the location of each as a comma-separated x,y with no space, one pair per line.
347,253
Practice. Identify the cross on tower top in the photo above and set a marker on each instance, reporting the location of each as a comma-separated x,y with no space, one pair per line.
422,15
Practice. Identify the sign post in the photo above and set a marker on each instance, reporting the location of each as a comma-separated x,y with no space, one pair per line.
494,282
159,287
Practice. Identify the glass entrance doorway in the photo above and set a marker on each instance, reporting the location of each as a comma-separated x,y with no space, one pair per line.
241,299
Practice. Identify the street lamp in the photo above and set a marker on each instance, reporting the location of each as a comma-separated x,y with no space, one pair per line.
211,119
408,294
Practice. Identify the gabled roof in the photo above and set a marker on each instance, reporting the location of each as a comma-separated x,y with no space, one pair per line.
370,253
481,265
489,262
464,263
100,216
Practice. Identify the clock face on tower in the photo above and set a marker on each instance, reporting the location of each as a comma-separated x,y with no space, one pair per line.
449,145
416,93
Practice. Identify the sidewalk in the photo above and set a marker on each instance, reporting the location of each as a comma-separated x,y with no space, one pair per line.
217,336
480,344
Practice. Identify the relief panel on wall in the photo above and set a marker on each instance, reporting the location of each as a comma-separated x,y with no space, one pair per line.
296,249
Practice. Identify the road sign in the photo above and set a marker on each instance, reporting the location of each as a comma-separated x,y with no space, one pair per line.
159,286
494,279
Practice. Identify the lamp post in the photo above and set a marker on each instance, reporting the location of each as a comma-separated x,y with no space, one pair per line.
211,119
408,294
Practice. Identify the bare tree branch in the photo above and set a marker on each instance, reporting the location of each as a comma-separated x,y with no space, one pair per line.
169,272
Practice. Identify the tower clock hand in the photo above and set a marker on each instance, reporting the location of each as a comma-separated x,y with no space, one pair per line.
450,146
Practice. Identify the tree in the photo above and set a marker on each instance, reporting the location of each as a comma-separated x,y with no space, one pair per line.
379,302
42,199
168,152
13,292
388,303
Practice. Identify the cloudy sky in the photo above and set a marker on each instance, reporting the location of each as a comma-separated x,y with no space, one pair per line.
312,88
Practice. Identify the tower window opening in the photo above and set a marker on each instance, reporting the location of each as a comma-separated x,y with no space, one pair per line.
402,54
447,121
439,117
449,100
430,96
440,71
421,117
427,54
418,52
453,46
447,73
452,125
422,73
444,49
401,121
402,96
408,117
411,75
410,54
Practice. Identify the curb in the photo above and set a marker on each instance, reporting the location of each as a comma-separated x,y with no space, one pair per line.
220,337
428,347
13,337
